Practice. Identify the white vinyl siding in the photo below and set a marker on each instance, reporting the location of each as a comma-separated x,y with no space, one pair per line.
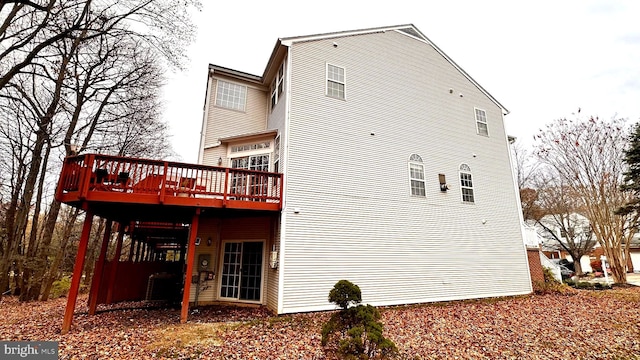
222,122
254,229
354,219
481,122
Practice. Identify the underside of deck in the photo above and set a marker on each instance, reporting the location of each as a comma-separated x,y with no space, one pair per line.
159,204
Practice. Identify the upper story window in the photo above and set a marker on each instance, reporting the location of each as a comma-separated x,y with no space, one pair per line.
466,184
249,147
277,87
416,175
481,122
335,81
276,155
231,96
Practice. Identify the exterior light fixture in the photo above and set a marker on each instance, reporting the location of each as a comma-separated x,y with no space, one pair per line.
443,182
219,161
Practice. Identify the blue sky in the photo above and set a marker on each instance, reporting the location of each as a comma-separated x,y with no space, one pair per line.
542,60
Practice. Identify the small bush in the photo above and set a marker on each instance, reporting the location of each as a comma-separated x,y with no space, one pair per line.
549,277
355,332
60,288
345,293
596,265
584,285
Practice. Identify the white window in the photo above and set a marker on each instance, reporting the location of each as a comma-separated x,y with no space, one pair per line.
481,122
466,184
335,81
253,162
276,155
231,96
416,175
250,147
277,86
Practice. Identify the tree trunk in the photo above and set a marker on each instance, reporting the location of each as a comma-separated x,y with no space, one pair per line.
577,266
45,250
52,273
11,249
32,263
91,253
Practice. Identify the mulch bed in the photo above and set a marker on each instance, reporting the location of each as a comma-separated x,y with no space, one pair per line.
575,325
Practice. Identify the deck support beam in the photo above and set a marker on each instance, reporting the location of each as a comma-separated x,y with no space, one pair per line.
97,272
191,251
77,272
114,266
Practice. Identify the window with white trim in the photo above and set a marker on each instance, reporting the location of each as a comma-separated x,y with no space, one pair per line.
277,87
335,82
466,184
231,96
481,122
416,175
276,154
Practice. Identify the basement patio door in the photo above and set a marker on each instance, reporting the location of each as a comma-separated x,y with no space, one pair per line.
241,275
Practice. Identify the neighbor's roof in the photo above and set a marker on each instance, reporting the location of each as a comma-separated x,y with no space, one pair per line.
279,51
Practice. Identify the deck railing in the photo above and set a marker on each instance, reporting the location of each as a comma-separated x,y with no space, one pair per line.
85,175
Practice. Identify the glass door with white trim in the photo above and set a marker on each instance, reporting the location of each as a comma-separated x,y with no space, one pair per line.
241,275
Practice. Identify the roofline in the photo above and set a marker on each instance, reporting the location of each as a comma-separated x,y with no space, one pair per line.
286,42
235,74
464,73
290,40
248,136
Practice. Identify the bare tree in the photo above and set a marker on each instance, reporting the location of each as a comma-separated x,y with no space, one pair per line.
564,228
586,154
67,63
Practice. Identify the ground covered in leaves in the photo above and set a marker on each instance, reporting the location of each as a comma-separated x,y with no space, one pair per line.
580,324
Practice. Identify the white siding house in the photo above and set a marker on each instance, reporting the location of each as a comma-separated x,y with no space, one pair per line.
396,168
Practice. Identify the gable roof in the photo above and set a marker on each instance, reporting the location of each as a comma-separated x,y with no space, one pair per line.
280,50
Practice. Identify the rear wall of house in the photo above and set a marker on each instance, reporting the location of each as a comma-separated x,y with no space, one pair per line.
348,180
222,122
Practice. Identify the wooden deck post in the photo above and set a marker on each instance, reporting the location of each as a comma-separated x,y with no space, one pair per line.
191,251
77,272
114,266
97,272
132,249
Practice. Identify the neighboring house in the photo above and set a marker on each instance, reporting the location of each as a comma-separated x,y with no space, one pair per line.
580,224
396,175
576,233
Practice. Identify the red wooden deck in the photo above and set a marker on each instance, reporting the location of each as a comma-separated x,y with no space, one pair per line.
105,179
143,195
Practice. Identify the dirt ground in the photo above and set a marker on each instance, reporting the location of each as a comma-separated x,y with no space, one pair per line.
583,324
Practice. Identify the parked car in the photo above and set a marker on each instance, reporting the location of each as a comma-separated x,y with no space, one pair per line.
564,262
565,272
